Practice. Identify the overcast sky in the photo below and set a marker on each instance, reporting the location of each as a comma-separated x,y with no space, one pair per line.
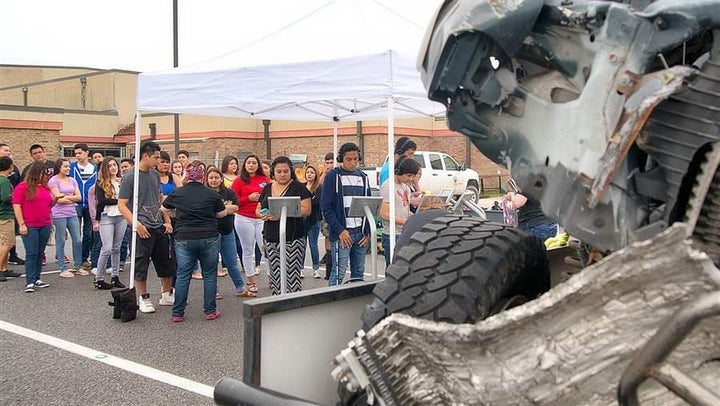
137,34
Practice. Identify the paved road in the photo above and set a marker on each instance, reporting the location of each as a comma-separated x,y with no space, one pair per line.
61,346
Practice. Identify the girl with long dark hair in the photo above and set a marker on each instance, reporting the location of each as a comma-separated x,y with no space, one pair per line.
32,203
315,218
109,222
248,226
285,184
228,249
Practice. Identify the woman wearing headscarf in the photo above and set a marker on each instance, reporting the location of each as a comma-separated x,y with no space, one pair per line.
196,239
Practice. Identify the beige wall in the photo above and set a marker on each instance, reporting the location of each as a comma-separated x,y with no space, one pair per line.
110,96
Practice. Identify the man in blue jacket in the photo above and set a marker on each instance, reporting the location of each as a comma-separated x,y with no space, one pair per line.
349,236
85,174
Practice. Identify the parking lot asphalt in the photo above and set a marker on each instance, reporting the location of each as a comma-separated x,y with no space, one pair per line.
60,345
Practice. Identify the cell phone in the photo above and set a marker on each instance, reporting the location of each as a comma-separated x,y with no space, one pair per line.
264,212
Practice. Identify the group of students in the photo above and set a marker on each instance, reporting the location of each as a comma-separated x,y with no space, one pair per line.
58,197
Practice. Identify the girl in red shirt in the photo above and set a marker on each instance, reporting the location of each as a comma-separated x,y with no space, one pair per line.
32,202
248,226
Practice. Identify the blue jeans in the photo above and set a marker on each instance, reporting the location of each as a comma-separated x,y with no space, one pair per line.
112,231
542,231
228,250
35,242
313,233
83,213
385,240
341,255
125,245
72,225
187,254
95,250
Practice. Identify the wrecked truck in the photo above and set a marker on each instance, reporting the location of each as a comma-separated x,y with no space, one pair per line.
607,113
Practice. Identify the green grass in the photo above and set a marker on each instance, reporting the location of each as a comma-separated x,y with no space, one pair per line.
489,195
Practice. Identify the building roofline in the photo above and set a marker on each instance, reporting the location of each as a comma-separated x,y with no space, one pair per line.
3,65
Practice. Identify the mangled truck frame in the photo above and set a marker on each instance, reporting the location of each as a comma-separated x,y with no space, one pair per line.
607,113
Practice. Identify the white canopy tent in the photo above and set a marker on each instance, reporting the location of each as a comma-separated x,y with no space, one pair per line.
346,61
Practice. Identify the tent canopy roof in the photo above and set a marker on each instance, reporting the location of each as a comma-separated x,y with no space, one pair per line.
340,62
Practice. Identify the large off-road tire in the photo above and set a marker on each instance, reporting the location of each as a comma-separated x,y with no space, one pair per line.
457,269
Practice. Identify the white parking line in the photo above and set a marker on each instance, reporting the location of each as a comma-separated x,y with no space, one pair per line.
117,362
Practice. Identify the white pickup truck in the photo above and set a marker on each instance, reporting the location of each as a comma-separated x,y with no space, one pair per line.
439,171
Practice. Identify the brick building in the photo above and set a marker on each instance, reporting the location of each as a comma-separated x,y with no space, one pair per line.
60,106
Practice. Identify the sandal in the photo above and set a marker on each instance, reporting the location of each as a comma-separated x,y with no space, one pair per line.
245,293
252,287
218,296
83,272
197,275
66,274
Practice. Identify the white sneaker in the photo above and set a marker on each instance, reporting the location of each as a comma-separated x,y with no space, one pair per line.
167,299
146,305
316,275
94,271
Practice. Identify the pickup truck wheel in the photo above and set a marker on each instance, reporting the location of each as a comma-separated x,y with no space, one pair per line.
457,269
476,193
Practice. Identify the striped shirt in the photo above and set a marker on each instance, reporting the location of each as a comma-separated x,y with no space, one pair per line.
352,185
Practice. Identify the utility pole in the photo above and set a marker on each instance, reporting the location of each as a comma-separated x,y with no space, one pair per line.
176,117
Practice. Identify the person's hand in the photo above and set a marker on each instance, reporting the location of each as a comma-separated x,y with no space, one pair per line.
254,197
415,198
23,229
364,241
168,228
96,227
345,239
142,231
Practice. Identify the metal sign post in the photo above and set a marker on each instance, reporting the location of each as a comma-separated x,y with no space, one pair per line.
368,206
284,207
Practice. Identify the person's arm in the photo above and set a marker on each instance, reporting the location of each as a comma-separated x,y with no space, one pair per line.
327,203
231,204
518,200
75,197
20,219
92,207
237,187
176,180
124,210
167,222
263,203
384,214
126,189
305,207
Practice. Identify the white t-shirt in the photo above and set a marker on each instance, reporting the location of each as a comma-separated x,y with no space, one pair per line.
402,204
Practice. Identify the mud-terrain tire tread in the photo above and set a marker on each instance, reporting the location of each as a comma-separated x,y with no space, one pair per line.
459,280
